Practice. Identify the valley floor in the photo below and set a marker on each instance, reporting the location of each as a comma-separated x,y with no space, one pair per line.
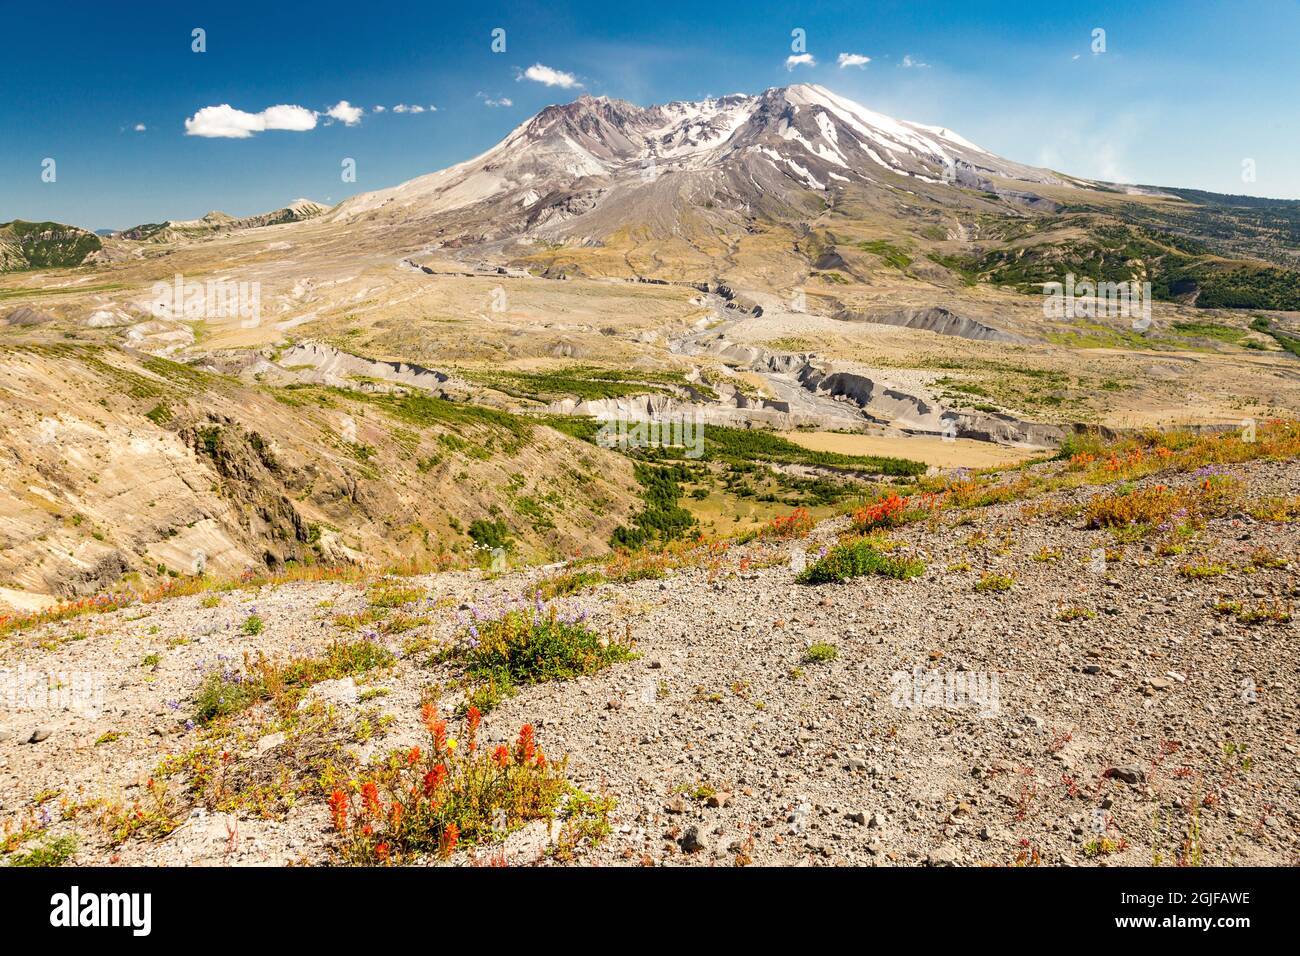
1133,711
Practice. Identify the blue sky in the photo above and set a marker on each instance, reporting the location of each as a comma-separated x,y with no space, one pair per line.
1183,94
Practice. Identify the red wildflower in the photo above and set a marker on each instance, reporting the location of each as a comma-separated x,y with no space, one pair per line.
525,745
339,808
381,851
502,756
541,759
447,842
429,715
413,757
885,513
435,778
438,728
370,797
472,718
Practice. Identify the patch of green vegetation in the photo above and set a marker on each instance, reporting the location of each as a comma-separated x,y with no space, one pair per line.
890,253
585,382
226,691
995,582
1210,330
56,852
966,269
722,443
563,585
522,647
24,293
820,652
661,518
426,410
490,533
1288,342
856,558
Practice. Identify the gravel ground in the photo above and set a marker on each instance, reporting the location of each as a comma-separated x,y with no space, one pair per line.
1159,724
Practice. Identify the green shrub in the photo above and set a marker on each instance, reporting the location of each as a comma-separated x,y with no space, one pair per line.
821,651
490,534
857,558
53,853
525,647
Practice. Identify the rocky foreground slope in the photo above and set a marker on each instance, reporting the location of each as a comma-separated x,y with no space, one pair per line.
1104,696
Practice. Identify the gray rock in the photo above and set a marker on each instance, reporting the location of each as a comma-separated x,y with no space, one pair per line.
693,841
270,742
1128,774
946,855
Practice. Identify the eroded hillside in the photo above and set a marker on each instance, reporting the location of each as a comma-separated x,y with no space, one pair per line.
120,463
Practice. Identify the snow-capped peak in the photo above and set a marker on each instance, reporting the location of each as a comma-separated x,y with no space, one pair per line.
816,138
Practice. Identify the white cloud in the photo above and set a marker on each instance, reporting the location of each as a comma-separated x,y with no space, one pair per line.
139,127
911,63
801,59
345,113
403,108
853,59
380,109
489,101
298,119
226,122
539,73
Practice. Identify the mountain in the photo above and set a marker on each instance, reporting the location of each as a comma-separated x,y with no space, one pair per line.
582,167
217,223
43,245
799,180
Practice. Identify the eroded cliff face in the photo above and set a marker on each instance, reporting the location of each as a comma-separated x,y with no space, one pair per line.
935,319
152,469
829,394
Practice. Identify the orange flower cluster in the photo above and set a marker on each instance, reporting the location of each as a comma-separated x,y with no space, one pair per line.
436,799
526,750
894,510
447,842
883,514
437,728
339,809
1116,463
794,525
